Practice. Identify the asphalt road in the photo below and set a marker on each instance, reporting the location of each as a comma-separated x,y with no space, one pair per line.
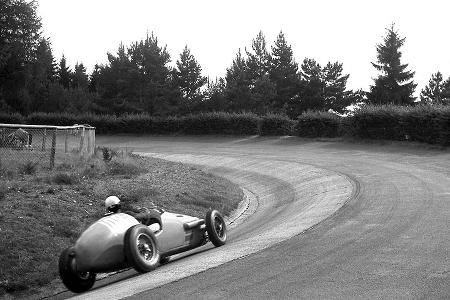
387,237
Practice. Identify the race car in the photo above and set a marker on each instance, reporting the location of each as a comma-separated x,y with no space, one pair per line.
119,241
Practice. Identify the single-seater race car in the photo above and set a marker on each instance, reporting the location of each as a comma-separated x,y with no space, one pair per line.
119,241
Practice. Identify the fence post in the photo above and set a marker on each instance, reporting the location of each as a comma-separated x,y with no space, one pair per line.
82,142
65,142
53,150
44,137
89,142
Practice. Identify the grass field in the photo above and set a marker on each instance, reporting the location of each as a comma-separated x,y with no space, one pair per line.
43,211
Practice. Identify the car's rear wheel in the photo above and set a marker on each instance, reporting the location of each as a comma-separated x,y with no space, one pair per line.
141,248
75,281
216,228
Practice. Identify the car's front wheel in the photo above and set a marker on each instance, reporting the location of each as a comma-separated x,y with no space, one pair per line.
75,281
216,228
141,248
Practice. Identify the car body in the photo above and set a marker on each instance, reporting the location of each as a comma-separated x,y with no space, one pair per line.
118,241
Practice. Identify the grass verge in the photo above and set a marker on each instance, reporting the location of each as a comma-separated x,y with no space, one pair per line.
44,211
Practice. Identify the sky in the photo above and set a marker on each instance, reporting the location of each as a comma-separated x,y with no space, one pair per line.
346,31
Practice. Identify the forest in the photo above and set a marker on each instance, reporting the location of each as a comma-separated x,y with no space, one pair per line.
138,78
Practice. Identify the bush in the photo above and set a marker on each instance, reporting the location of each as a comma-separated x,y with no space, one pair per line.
122,168
318,124
3,191
28,168
273,124
220,123
167,125
107,154
63,178
421,123
376,122
14,118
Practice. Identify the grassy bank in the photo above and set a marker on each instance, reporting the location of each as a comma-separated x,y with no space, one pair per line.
43,211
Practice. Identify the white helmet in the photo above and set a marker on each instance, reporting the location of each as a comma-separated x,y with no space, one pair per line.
112,204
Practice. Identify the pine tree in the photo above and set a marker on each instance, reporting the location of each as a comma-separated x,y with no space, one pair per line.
80,79
20,29
237,90
138,79
64,73
45,66
44,71
394,84
311,96
446,92
262,89
156,91
215,95
120,83
335,95
94,79
189,78
283,73
321,88
437,91
258,61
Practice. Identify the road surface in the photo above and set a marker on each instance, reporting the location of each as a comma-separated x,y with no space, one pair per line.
385,234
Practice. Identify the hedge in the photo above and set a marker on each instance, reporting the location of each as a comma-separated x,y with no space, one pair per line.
273,124
11,118
220,123
318,124
422,123
203,123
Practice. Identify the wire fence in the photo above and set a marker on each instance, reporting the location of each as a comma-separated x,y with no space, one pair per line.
39,144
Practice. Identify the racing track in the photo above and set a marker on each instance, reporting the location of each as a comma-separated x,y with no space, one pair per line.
389,239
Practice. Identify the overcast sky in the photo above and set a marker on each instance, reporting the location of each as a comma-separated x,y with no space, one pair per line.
326,30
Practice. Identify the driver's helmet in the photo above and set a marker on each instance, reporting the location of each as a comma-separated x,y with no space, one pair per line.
112,204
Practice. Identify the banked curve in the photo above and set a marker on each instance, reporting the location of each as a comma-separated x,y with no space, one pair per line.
292,198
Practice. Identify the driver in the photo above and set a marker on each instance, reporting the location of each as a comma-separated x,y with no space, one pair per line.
148,216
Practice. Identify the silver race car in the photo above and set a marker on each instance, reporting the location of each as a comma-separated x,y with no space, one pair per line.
119,241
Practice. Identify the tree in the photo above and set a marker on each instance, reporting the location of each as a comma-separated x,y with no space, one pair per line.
19,30
94,78
80,79
64,73
262,90
154,76
44,70
321,88
19,38
446,92
394,84
336,97
237,89
283,73
138,79
44,65
437,91
189,78
215,99
311,95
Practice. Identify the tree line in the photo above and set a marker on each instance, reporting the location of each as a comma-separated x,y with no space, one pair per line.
138,78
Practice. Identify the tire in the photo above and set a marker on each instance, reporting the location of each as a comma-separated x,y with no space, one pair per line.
76,282
216,228
141,248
